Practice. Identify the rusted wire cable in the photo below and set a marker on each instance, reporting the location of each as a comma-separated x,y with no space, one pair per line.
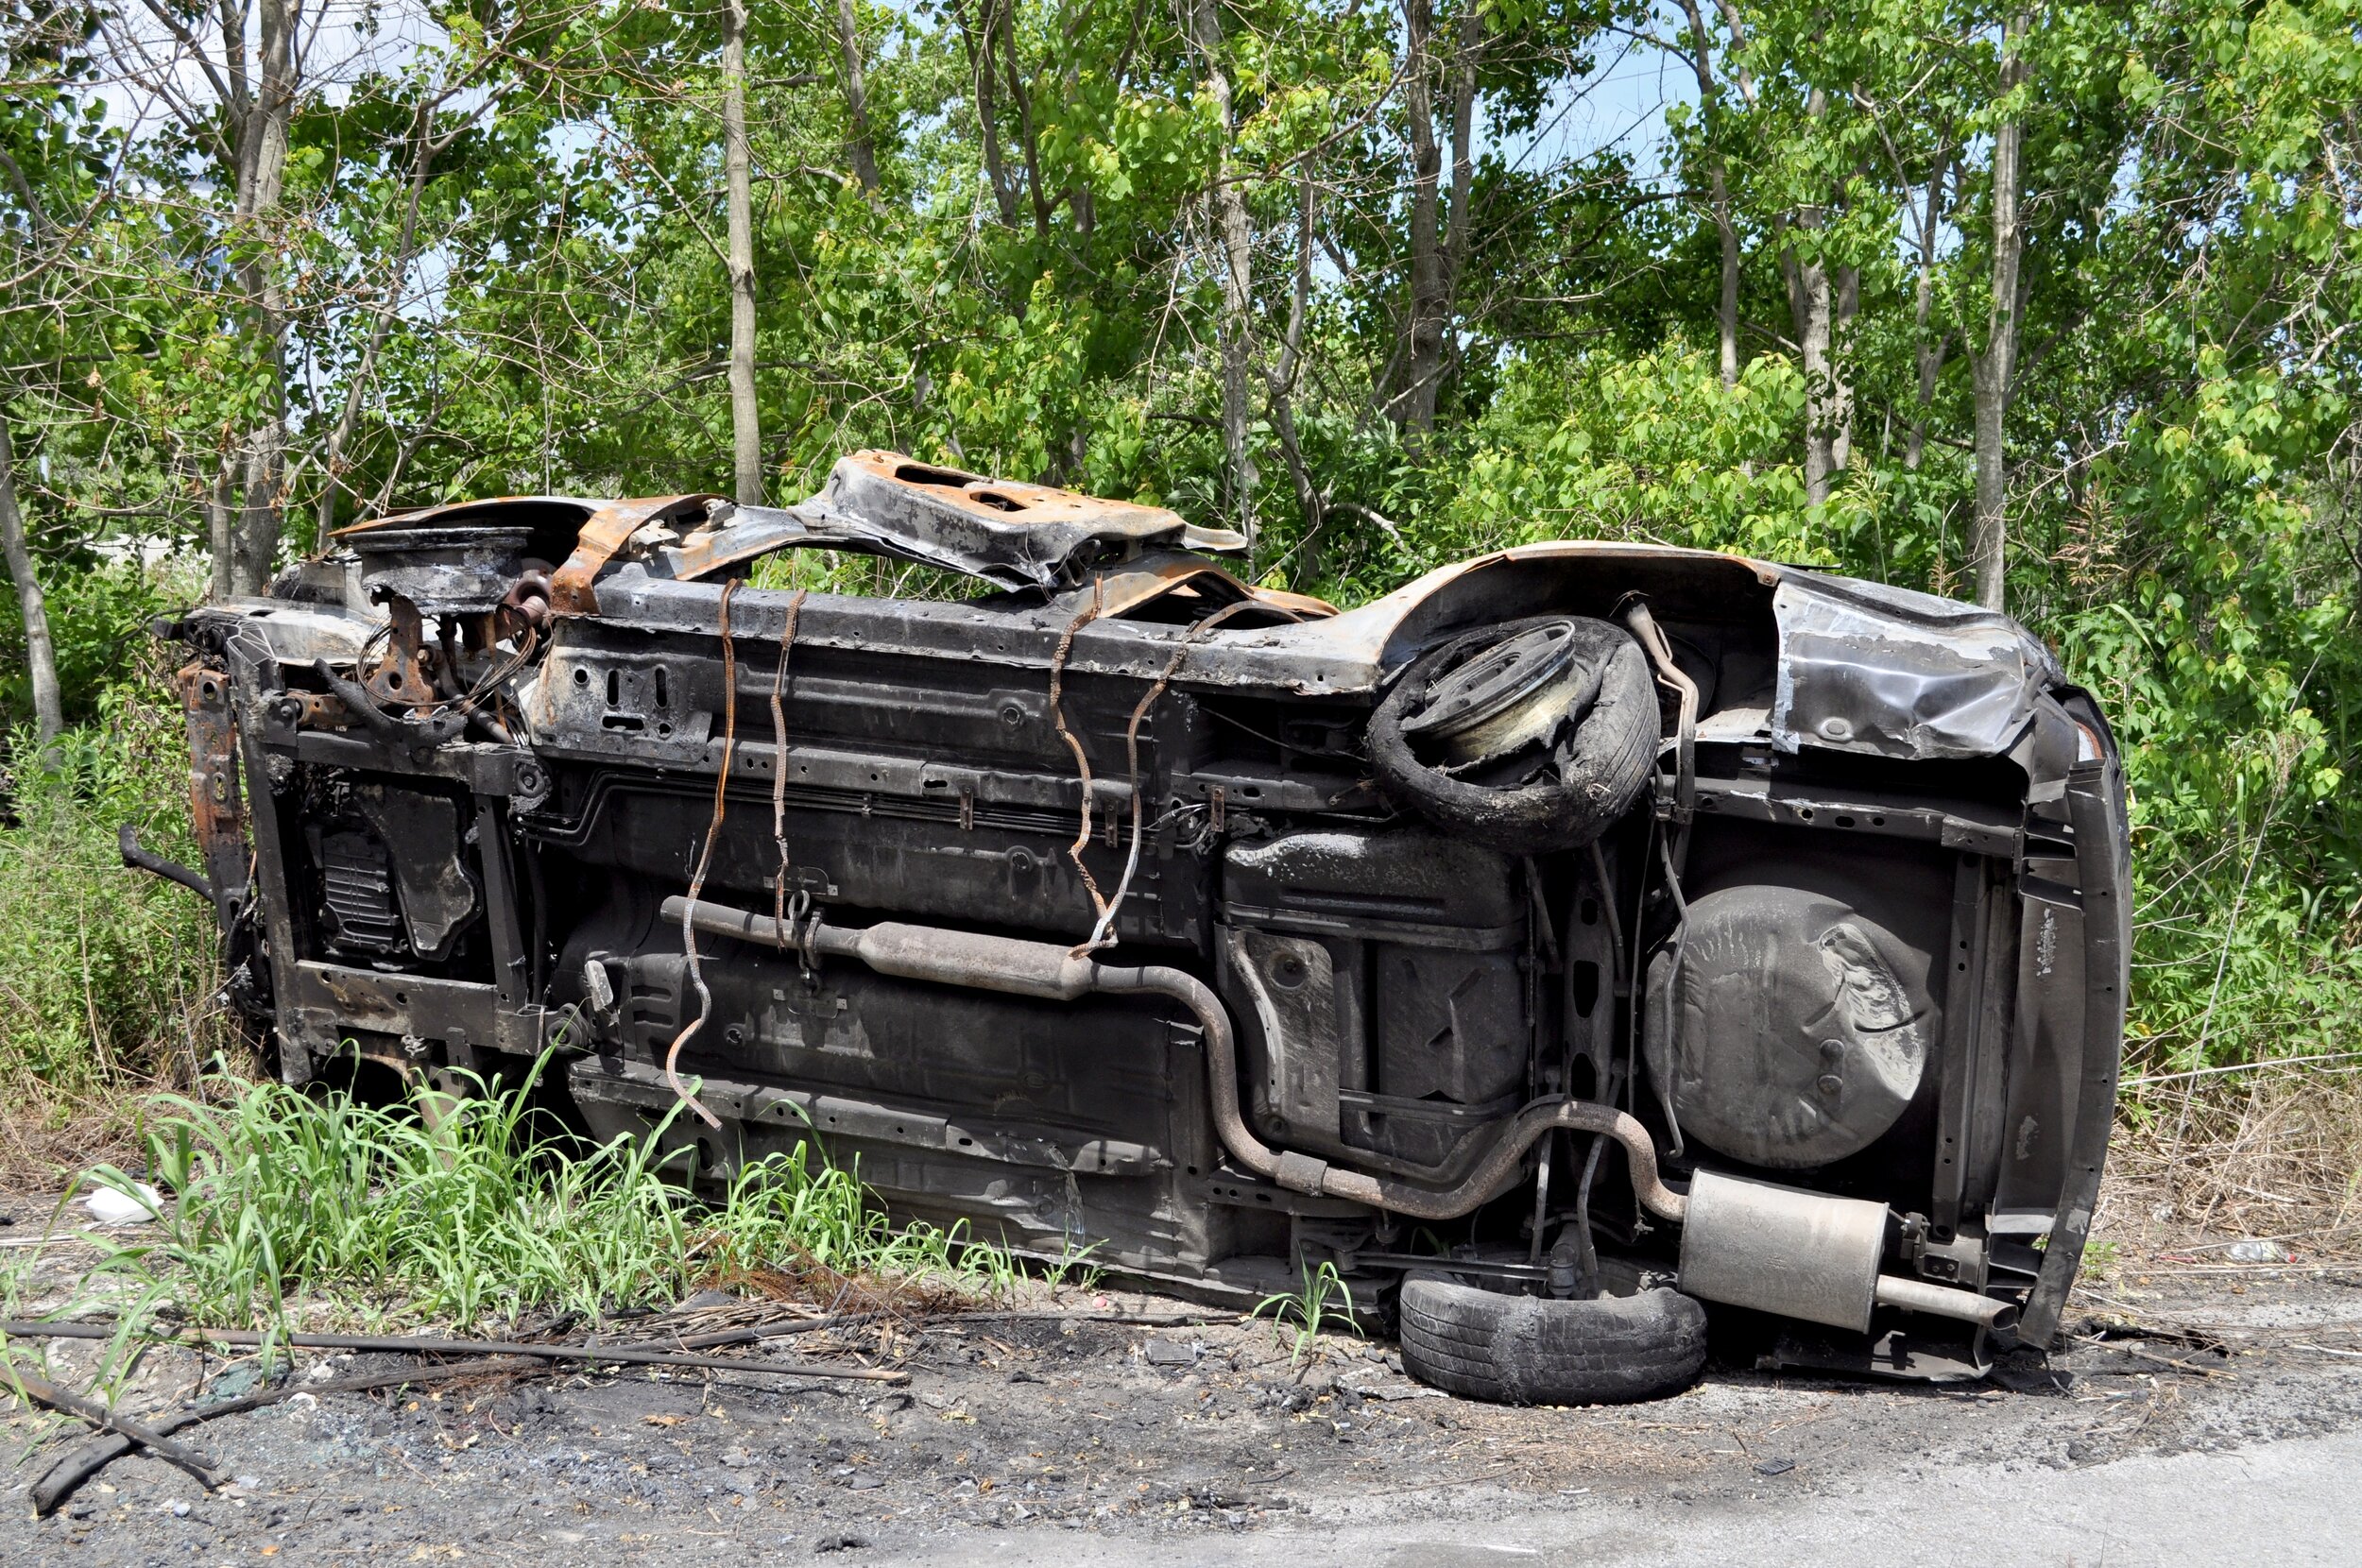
42,1391
779,760
705,858
1102,934
1082,763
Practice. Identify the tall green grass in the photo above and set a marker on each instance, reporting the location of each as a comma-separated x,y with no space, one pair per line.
463,1211
106,975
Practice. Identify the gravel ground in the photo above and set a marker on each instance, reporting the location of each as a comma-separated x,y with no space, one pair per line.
1058,1437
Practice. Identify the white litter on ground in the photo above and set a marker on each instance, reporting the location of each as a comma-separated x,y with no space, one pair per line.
110,1207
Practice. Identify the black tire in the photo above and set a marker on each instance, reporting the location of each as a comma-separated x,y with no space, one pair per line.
1599,775
1526,1350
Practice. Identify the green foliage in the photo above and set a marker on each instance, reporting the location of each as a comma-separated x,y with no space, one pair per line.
98,616
1321,1302
456,1210
107,974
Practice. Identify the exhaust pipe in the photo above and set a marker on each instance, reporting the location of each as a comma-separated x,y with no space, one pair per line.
1807,1256
1052,971
1941,1300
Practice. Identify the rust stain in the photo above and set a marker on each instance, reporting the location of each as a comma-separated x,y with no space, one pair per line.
606,532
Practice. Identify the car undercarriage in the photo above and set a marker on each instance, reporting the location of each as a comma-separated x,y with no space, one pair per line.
1576,934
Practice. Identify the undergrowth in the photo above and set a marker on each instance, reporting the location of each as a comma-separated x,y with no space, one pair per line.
462,1210
108,976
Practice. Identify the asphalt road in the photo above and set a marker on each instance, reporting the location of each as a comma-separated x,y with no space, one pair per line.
2292,1501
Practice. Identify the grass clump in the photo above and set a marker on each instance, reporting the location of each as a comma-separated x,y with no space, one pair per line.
460,1211
1322,1302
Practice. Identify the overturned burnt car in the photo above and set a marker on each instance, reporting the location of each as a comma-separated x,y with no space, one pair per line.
1578,934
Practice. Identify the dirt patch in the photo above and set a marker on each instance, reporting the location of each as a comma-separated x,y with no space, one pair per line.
1065,1421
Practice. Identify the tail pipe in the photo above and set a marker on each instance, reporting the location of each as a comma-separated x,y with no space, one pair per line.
1943,1300
1047,970
1807,1256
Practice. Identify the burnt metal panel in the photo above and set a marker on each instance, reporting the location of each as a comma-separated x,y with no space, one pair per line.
2103,864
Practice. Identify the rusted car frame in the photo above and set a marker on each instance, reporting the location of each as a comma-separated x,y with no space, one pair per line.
1087,914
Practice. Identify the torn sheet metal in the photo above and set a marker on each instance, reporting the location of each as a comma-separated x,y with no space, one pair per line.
1868,668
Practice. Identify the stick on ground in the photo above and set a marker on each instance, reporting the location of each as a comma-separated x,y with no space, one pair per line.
42,1391
429,1345
73,1469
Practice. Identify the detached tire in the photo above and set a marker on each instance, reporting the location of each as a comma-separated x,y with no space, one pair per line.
1601,771
1526,1350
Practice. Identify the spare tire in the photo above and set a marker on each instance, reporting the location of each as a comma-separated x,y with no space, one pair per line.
1528,1349
1596,769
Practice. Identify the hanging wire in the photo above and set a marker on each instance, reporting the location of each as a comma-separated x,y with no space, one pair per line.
705,857
1102,934
778,768
1082,763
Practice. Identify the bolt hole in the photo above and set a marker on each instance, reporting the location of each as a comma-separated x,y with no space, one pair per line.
582,678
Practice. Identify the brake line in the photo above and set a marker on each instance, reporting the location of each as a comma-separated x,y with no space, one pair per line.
705,857
1102,934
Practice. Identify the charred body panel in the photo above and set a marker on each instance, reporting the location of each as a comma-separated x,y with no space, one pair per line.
1087,913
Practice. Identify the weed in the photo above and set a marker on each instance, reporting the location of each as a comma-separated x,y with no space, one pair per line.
475,1212
1057,1276
2099,1260
1308,1306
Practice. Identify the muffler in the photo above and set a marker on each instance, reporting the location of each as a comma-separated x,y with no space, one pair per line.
1807,1255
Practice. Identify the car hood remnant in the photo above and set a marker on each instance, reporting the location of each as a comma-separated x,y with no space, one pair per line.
1584,931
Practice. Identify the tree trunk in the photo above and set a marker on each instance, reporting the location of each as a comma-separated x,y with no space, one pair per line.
1717,196
979,39
1422,342
1841,409
1281,385
388,307
1988,537
41,650
1821,303
1928,351
1022,102
1458,231
1234,227
1808,308
1726,301
221,528
262,179
745,417
859,147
